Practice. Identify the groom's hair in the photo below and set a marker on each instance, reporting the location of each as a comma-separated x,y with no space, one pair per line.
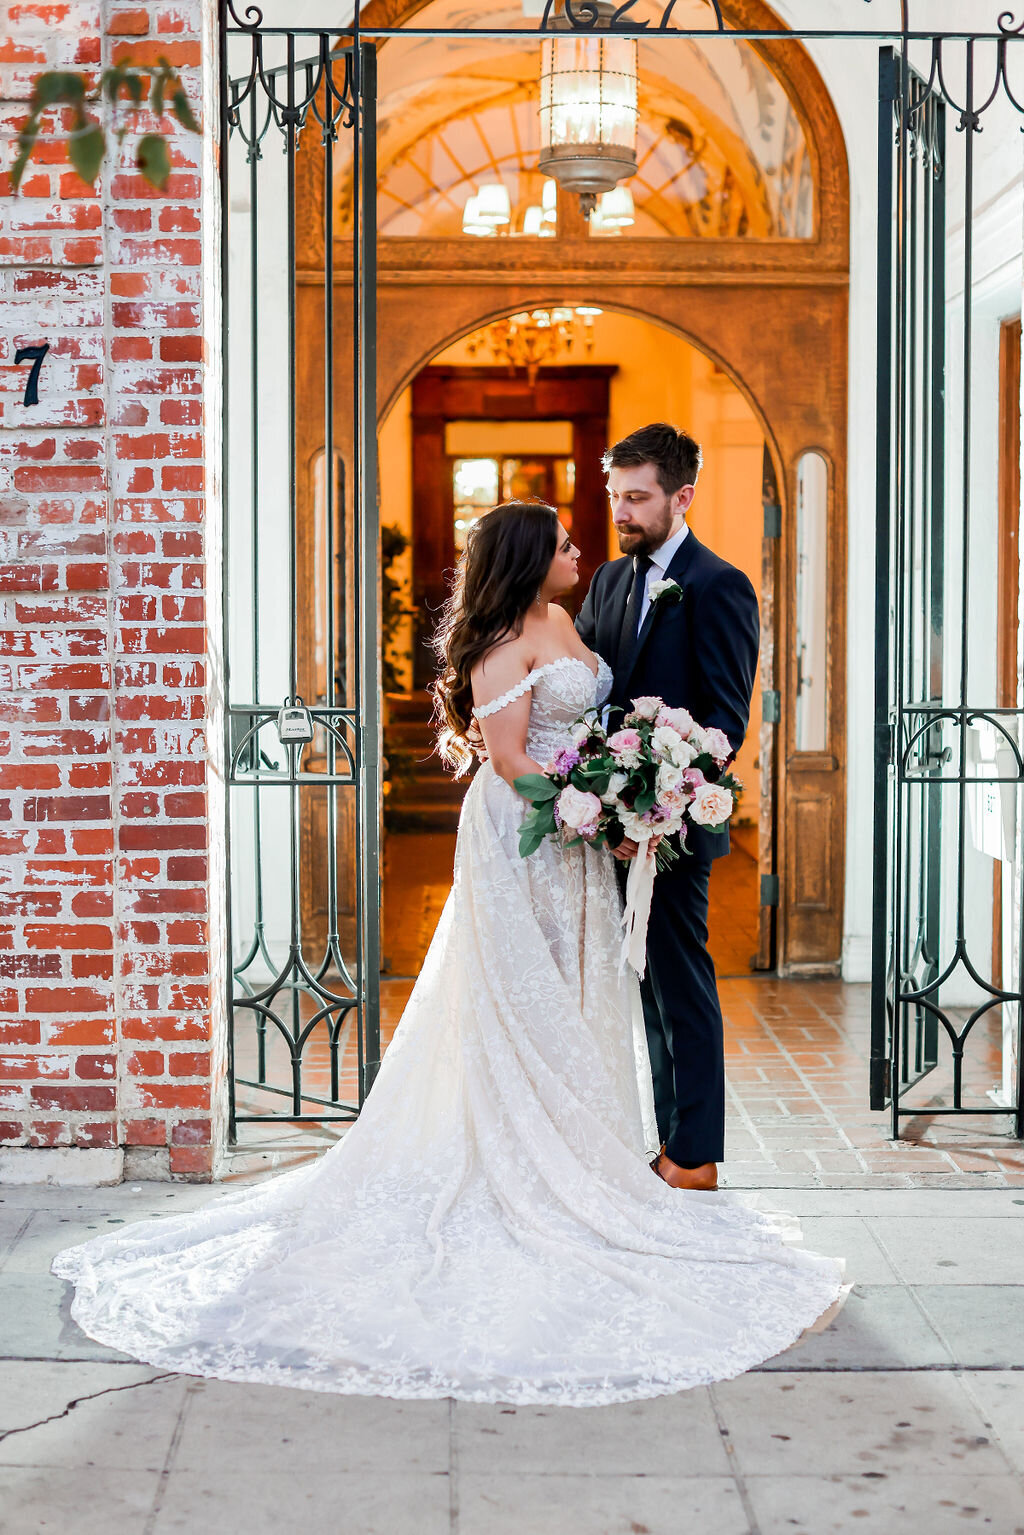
673,452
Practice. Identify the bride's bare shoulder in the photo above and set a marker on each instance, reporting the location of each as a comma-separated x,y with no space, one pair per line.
499,669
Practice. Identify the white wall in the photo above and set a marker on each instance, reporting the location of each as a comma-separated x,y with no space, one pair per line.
850,71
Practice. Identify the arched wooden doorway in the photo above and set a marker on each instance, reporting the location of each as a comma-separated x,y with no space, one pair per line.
773,313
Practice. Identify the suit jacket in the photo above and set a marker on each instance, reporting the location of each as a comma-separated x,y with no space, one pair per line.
699,653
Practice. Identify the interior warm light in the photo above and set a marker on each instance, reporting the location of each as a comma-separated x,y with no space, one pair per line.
614,211
527,340
472,223
588,107
493,205
533,220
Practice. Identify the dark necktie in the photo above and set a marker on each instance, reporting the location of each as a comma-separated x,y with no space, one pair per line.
631,618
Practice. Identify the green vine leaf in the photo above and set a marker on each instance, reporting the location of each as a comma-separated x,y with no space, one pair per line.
56,86
154,159
86,150
87,141
182,111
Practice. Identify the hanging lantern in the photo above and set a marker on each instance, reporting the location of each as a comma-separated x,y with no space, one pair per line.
588,107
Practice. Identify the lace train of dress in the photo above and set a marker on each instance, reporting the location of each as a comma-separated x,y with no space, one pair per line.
489,1229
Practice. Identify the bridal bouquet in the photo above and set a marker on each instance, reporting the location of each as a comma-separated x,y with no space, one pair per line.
648,779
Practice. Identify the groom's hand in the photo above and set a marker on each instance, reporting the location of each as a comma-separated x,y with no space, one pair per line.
627,848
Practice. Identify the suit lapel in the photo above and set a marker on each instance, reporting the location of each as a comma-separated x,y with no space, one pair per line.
678,565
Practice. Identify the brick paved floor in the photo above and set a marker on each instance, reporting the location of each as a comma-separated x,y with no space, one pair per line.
796,1065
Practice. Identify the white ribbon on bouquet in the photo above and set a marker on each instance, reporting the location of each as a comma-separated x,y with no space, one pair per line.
639,890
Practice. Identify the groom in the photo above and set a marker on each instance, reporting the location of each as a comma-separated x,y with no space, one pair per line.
693,643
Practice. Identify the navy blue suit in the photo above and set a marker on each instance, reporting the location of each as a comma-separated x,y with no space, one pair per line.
699,654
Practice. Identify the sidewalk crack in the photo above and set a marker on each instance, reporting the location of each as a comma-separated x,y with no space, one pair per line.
90,1396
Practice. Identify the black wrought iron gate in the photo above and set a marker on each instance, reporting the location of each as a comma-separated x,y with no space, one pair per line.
302,568
948,764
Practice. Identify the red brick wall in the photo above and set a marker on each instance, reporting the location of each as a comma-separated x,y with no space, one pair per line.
110,1035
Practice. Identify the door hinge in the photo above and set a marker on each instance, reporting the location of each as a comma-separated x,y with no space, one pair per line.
771,706
769,890
772,520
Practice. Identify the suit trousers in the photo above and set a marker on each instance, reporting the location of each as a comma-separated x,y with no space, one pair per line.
683,1016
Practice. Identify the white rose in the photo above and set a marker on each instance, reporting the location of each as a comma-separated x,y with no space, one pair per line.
659,588
699,739
670,776
712,805
665,740
683,753
634,826
616,783
577,808
647,708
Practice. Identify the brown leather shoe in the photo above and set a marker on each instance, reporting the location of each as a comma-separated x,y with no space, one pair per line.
703,1177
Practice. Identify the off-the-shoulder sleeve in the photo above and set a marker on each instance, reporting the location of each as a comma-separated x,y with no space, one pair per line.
503,699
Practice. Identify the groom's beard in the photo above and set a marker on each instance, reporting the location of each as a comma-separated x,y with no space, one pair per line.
637,540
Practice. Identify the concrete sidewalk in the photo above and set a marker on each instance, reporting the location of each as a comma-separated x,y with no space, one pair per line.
905,1417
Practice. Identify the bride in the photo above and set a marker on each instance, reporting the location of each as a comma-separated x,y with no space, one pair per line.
490,1228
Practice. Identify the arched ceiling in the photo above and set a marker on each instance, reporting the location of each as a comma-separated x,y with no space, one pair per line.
721,149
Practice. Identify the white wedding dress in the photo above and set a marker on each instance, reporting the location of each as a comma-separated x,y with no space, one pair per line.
490,1228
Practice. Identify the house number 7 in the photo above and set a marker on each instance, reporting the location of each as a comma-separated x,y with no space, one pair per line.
38,353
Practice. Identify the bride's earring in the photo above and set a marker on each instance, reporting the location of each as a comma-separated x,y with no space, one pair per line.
538,596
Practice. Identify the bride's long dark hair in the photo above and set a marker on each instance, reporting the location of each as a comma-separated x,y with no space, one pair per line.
508,553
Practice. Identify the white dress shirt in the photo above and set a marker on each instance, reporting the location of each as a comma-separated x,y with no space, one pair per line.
661,558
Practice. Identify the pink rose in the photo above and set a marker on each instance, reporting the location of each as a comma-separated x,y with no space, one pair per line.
648,707
625,746
718,744
693,778
712,805
678,719
577,808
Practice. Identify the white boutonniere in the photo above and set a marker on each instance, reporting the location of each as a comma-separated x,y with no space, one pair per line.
665,591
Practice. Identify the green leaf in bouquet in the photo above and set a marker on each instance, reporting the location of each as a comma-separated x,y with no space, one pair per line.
645,801
598,779
541,818
614,834
530,840
536,787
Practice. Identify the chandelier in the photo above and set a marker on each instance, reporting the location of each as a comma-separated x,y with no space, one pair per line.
588,107
525,341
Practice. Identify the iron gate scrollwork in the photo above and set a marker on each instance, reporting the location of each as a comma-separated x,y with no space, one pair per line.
944,754
300,569
298,116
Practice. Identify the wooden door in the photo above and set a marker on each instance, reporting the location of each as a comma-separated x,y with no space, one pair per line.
443,394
